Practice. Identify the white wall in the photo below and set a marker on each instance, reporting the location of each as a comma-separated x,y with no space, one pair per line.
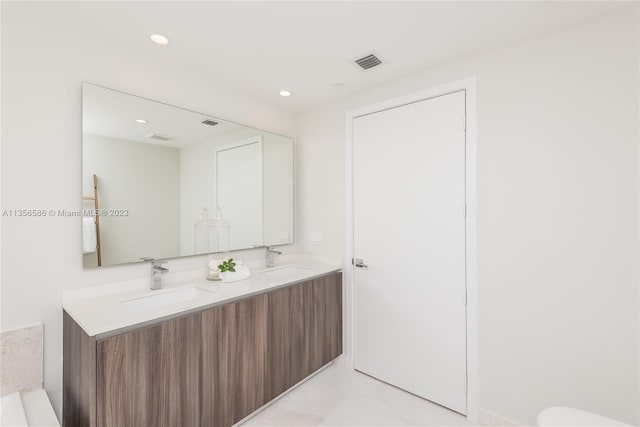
144,180
43,66
557,215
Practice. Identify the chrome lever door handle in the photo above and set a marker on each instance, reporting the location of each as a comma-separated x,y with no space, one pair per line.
359,262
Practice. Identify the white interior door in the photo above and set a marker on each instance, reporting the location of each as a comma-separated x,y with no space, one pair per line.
409,229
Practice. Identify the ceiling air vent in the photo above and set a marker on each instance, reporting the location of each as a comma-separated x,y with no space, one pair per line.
368,61
158,136
209,122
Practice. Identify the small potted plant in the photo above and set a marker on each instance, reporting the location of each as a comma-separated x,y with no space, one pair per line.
227,265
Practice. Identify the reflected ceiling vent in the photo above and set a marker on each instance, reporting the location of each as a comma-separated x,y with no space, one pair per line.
209,122
158,136
368,61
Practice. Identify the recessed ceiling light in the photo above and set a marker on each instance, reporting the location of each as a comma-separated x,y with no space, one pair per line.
159,39
285,93
338,86
141,121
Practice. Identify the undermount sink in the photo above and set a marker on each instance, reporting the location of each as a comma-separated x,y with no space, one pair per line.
168,298
285,271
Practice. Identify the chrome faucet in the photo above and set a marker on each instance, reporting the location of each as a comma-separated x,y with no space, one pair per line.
156,273
271,254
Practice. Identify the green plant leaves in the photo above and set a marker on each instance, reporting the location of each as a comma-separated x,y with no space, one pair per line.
227,265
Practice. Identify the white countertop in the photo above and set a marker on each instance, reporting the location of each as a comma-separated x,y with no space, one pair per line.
100,311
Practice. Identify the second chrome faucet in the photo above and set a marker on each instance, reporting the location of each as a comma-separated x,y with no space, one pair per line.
271,254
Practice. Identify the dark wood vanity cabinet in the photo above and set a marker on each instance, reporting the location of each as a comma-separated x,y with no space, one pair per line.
210,368
148,377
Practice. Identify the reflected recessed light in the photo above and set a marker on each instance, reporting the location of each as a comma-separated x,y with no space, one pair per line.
159,39
285,93
141,121
338,86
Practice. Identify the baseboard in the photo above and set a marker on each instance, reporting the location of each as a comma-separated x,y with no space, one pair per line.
489,418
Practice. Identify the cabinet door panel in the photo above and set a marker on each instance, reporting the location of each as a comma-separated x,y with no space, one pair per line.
150,376
300,320
331,324
304,331
335,301
281,320
79,375
318,341
323,321
234,353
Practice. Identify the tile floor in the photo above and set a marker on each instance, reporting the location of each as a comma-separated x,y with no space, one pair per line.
339,396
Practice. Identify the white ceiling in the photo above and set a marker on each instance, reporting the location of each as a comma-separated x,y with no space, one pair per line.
260,48
113,114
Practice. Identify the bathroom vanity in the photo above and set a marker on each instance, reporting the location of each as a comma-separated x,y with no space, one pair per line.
209,362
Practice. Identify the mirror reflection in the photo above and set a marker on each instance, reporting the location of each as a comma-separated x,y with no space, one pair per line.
163,182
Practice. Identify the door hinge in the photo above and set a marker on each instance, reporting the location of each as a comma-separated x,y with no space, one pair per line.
464,122
465,211
466,383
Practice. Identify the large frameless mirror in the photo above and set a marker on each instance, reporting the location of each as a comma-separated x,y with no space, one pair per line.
164,182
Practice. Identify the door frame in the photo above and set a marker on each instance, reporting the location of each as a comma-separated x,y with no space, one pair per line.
469,86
